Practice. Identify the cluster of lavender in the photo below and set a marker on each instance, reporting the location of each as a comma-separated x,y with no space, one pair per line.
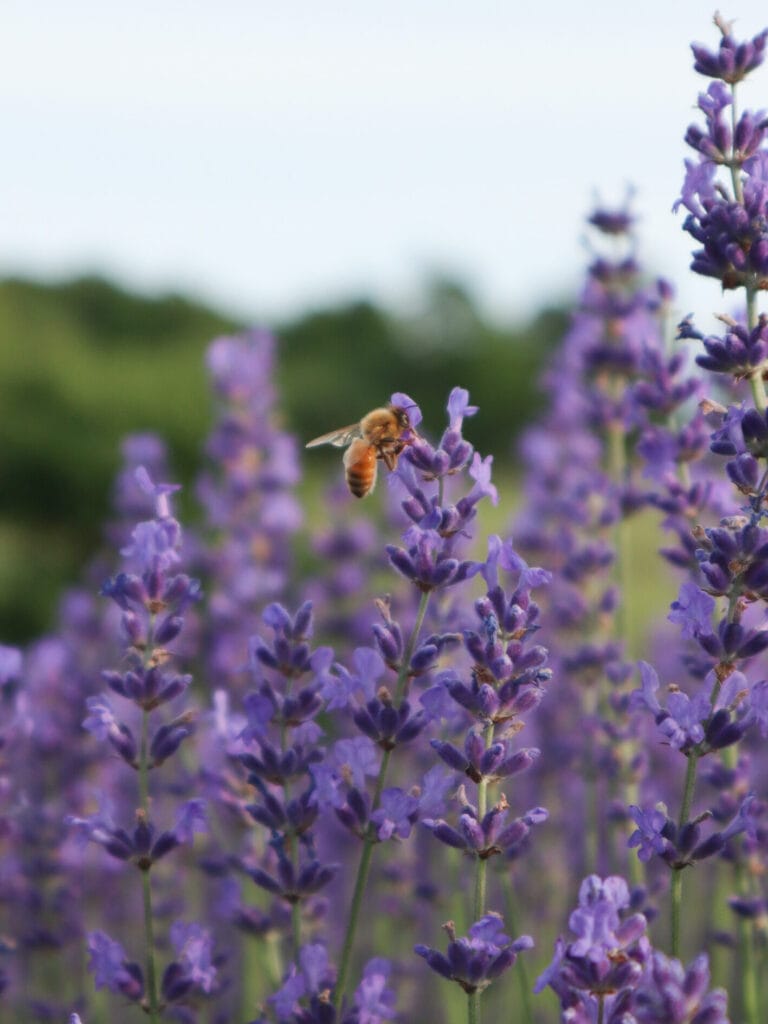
247,493
719,608
304,817
611,973
152,598
611,391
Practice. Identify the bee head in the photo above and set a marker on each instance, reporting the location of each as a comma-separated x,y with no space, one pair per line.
403,421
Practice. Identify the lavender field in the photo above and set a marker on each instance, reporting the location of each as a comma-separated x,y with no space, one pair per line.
359,759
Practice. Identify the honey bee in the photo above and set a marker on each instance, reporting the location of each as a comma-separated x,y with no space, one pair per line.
378,435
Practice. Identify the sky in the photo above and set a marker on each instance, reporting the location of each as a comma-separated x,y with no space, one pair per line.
276,156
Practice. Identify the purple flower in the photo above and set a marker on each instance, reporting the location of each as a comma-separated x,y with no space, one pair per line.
402,401
102,723
435,787
154,546
459,407
474,962
426,563
191,818
111,968
356,757
733,60
492,834
745,819
501,554
396,814
373,1001
312,976
692,610
758,706
193,949
648,835
158,492
596,921
339,689
612,222
682,721
610,950
10,664
668,993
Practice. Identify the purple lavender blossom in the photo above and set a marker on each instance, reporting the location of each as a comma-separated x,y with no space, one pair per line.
152,597
669,993
733,60
248,496
728,222
610,950
477,960
485,836
194,967
112,969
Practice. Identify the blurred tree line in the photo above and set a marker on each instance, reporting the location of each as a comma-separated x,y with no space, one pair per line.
84,362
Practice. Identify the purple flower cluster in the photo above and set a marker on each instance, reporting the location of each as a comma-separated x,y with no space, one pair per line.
609,972
236,819
474,962
248,497
152,598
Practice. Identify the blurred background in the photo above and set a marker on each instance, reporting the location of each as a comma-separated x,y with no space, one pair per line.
398,190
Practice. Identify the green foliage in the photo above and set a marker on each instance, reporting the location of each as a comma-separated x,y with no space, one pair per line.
84,362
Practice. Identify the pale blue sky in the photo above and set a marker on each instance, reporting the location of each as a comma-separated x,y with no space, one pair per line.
270,156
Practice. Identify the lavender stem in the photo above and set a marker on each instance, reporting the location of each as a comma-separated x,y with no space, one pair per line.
364,867
481,876
520,968
677,875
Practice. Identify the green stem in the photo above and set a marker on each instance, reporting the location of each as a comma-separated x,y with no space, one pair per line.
364,867
149,937
592,797
520,968
600,1008
756,382
748,972
473,1008
296,929
354,912
481,876
401,688
635,868
677,874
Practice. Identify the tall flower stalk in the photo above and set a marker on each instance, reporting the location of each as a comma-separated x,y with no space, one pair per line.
506,679
583,485
430,563
152,598
726,194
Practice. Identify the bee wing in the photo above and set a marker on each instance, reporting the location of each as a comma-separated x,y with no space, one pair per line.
338,438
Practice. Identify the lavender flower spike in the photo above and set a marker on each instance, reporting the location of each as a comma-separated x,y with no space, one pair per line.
474,962
668,993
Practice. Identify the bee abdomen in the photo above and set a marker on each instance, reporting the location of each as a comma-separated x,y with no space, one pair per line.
360,464
359,484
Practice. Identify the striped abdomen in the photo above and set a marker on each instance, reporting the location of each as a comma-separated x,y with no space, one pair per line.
360,464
